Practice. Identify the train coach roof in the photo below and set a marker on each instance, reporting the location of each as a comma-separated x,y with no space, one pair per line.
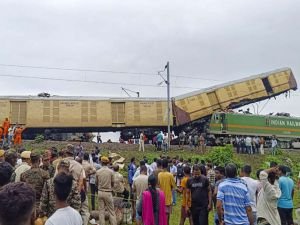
78,98
212,88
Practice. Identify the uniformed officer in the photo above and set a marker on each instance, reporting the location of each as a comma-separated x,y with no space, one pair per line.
24,166
47,166
35,177
105,183
47,202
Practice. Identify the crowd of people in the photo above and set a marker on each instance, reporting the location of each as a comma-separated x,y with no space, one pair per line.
54,187
10,135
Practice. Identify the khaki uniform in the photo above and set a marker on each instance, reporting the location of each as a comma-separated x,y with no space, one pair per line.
104,179
21,169
36,178
118,183
139,185
84,210
47,202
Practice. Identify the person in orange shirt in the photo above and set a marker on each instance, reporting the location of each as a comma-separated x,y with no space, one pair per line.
1,133
186,200
5,125
18,135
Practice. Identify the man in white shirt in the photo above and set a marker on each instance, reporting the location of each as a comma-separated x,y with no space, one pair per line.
252,186
142,142
248,143
274,145
64,215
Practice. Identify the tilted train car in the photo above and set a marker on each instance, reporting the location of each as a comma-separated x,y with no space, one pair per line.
199,104
131,115
285,128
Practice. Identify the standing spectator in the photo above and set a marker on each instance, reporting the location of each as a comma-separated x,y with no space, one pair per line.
154,165
149,168
131,172
196,141
180,172
166,183
159,138
237,144
24,166
6,171
201,197
105,183
47,166
47,202
252,186
17,204
10,135
181,139
64,214
165,142
152,205
140,184
173,170
88,170
92,182
211,175
202,143
257,144
35,177
119,184
233,200
99,140
248,143
274,145
159,168
186,199
267,198
190,142
11,157
220,177
285,202
261,144
142,142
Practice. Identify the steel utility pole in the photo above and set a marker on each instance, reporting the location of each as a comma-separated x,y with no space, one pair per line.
169,103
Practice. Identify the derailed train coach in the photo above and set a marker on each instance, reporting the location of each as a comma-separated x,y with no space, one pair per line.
59,114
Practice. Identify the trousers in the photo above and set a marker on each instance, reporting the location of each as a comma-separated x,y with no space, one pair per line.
106,204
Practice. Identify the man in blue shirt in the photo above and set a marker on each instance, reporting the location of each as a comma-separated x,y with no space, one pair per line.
285,202
159,139
233,198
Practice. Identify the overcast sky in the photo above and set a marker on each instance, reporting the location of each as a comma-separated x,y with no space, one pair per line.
212,40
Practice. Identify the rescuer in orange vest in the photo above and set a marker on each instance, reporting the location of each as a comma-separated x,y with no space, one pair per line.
1,133
5,125
18,135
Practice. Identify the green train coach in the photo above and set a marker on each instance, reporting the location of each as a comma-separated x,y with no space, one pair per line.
285,129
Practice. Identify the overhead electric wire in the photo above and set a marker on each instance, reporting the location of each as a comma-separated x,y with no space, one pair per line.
105,71
92,81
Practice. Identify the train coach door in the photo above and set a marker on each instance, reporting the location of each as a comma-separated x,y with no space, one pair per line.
18,112
118,113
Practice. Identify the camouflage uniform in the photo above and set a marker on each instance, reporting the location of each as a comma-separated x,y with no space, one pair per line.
36,178
50,169
47,203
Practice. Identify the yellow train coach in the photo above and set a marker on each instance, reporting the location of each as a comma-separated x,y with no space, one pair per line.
199,104
83,113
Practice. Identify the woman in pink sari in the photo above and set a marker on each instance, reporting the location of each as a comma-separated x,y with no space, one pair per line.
152,205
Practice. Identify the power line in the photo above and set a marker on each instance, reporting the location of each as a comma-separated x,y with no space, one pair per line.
92,81
106,71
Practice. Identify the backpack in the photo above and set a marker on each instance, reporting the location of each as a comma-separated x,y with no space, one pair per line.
180,172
